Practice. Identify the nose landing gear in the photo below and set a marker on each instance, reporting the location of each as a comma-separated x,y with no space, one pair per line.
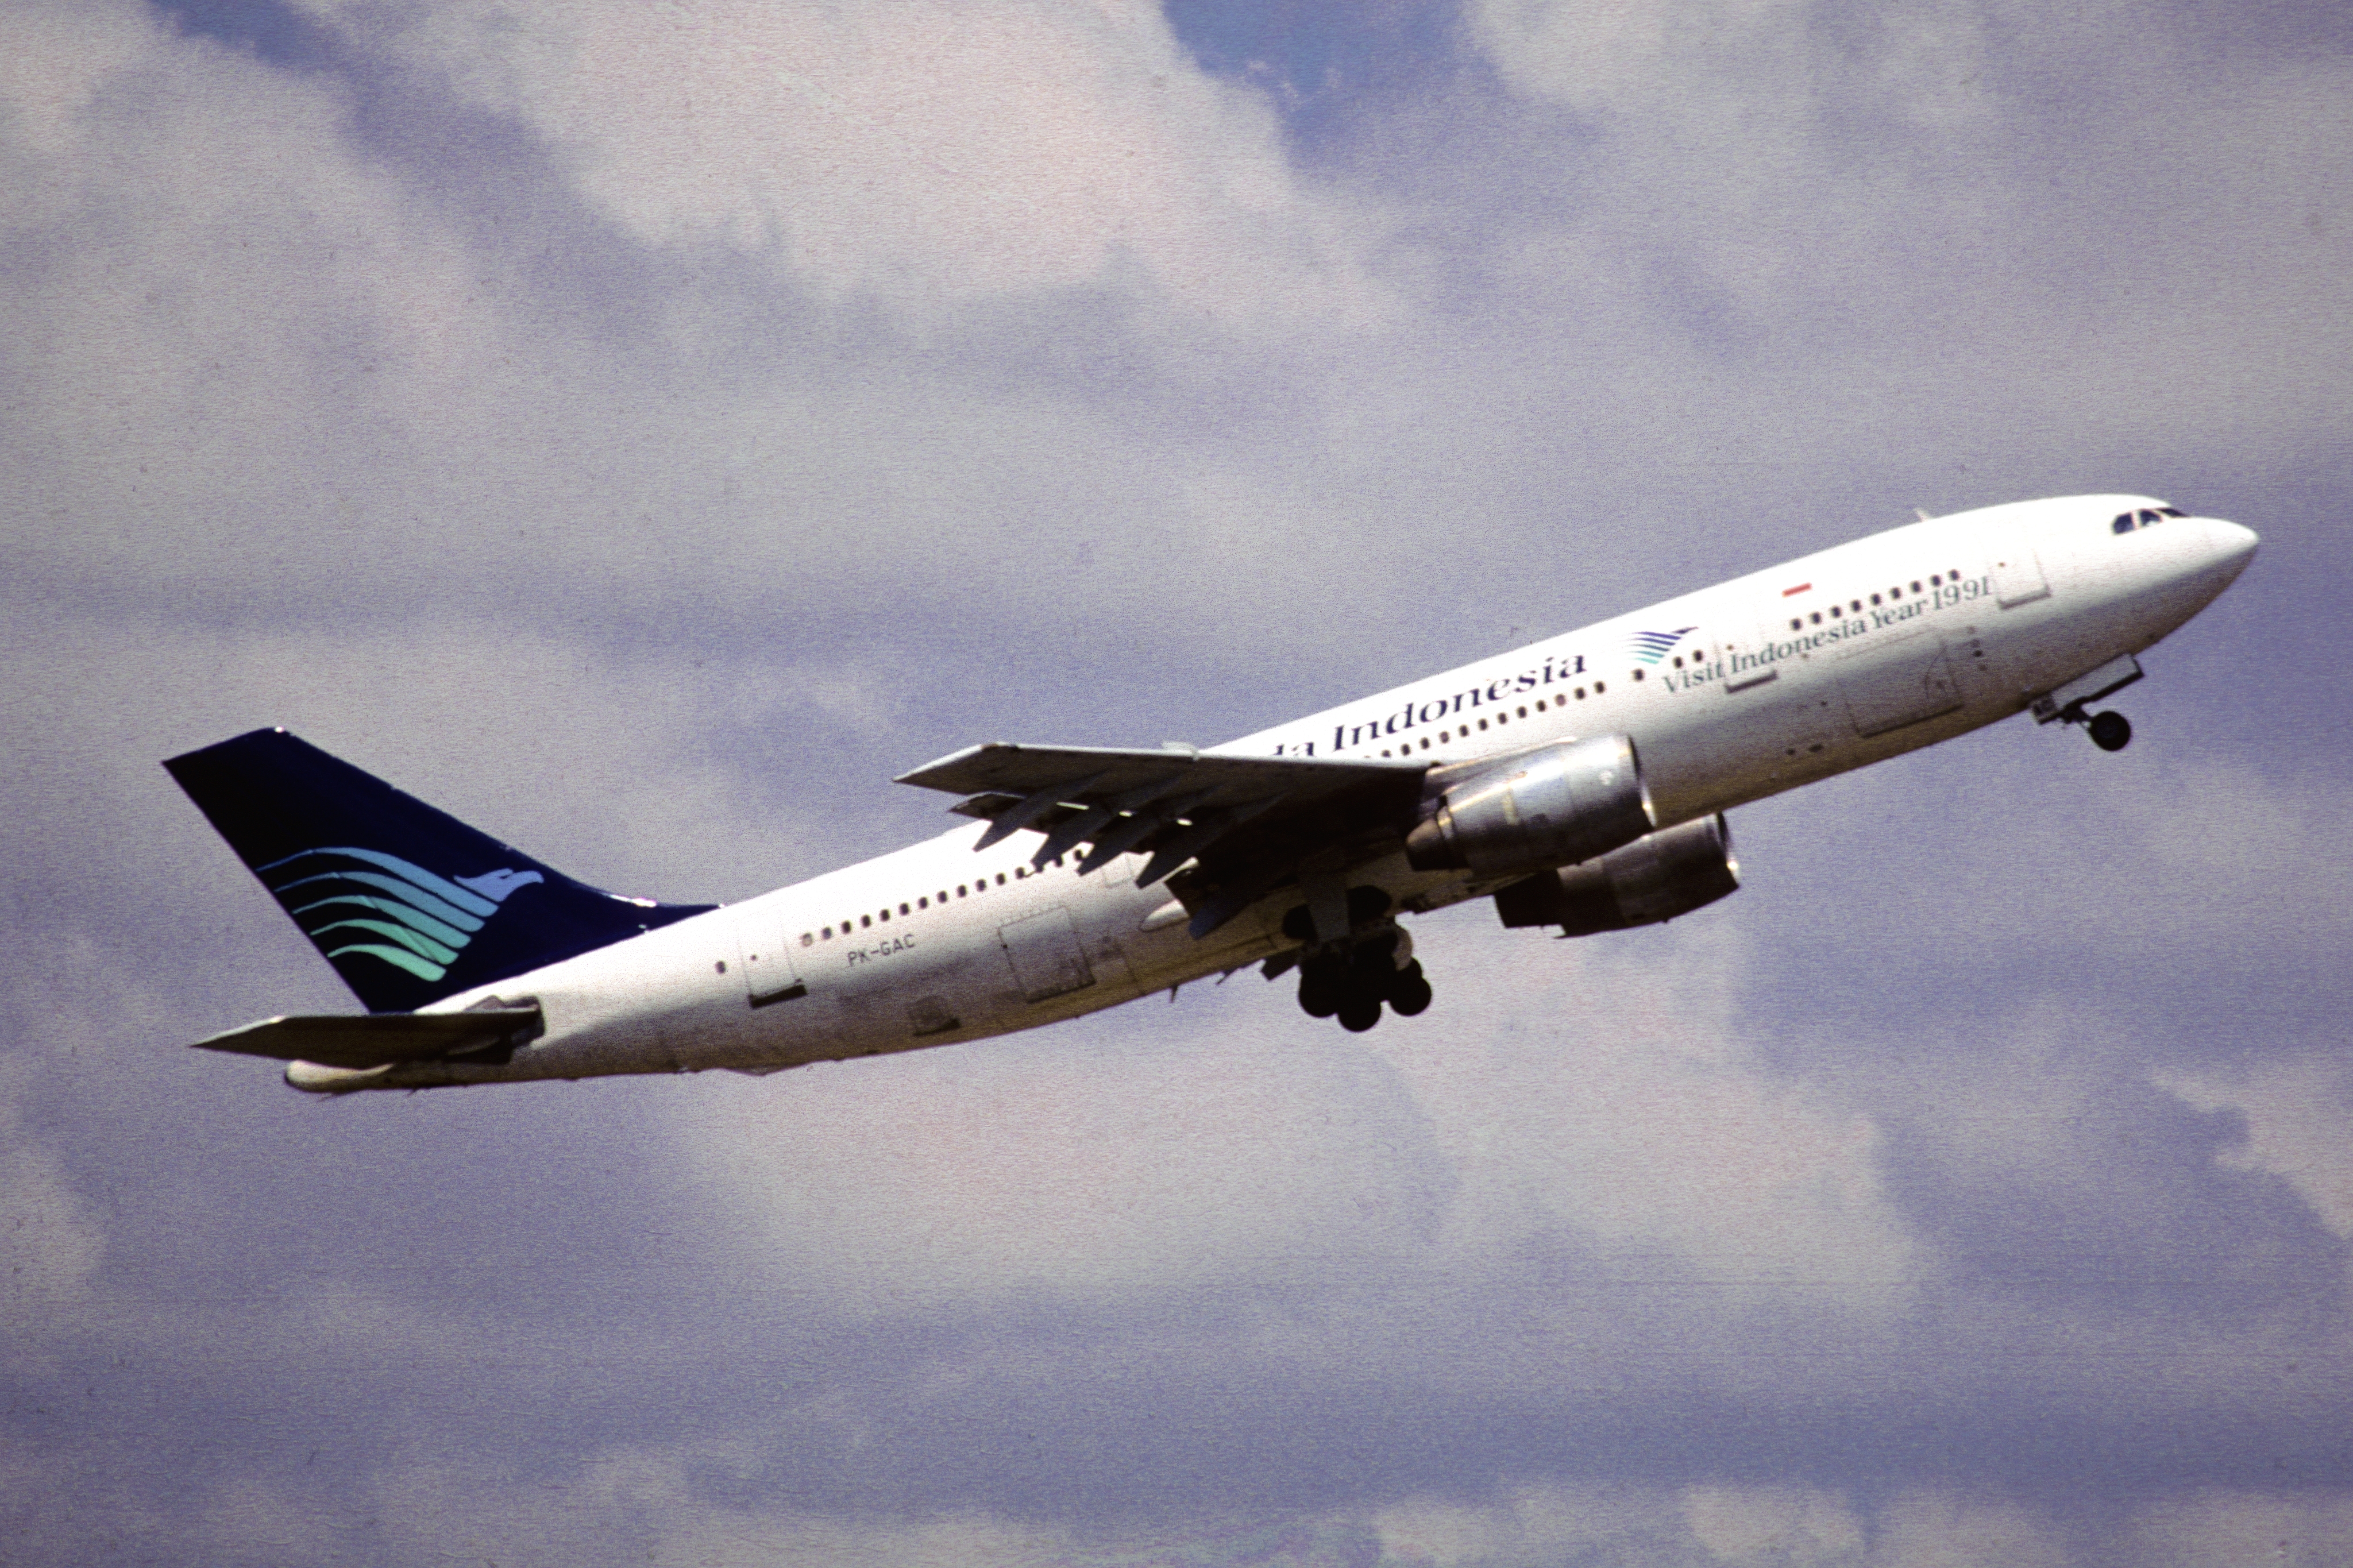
2110,732
2071,703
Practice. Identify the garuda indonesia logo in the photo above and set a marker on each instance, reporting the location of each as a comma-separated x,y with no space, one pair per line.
1651,646
384,907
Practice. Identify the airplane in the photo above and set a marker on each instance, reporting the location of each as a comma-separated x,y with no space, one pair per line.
1579,783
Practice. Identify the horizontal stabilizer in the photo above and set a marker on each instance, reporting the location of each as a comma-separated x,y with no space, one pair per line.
379,1039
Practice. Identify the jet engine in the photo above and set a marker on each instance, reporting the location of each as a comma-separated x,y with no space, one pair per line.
1653,878
1555,805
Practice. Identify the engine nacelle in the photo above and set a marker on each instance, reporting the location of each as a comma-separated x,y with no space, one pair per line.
1653,878
1547,807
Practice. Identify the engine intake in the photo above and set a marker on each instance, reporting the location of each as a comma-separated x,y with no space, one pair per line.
1652,880
1547,807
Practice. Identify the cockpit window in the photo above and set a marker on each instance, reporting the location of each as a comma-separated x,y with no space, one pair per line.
2125,522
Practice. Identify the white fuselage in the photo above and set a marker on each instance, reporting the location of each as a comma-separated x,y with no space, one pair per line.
1735,692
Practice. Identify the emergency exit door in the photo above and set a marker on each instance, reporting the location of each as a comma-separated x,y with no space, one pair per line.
763,947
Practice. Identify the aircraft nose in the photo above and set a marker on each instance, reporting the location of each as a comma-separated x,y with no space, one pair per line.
2233,546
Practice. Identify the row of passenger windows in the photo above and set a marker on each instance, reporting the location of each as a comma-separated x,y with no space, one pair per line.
1501,720
964,890
2126,521
1854,607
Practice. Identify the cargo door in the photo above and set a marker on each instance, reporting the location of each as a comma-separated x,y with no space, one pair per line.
1892,684
764,947
2017,571
1045,956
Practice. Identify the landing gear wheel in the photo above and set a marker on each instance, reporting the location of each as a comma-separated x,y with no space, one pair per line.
1409,992
2110,732
1360,1012
1323,987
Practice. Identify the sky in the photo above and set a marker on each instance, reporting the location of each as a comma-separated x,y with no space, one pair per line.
644,429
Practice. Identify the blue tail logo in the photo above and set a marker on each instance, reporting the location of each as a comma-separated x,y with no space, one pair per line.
402,937
1648,647
351,900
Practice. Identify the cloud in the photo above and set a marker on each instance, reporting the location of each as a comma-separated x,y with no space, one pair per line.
1773,1524
645,431
2293,1111
928,154
50,1242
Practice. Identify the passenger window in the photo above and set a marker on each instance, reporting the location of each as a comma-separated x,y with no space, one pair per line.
1424,743
1638,675
1795,625
1523,713
1894,593
864,922
1874,598
960,889
1857,608
808,941
923,903
1599,688
902,909
1915,587
1000,878
1482,723
1934,581
1580,694
827,933
1816,617
884,916
1540,706
1019,872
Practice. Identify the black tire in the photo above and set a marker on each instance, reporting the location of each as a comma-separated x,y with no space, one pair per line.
1323,987
1359,1012
2110,732
1409,992
1370,963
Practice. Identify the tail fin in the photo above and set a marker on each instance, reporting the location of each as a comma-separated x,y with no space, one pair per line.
409,904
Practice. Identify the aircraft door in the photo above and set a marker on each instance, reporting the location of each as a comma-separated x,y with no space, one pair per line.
1045,956
2017,571
1892,684
764,947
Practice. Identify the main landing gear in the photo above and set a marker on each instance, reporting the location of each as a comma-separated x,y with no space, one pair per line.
1353,986
1353,979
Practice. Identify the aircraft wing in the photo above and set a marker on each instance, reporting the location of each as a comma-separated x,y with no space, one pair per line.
1244,824
376,1040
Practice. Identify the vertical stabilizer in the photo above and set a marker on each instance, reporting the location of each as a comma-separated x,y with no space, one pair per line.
408,904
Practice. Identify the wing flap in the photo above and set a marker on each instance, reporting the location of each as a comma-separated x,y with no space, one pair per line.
1244,824
380,1039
